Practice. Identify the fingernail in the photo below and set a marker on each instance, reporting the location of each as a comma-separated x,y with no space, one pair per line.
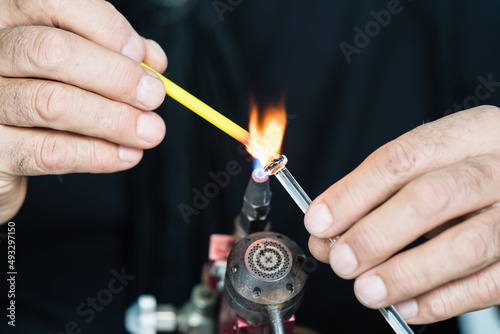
128,154
371,290
318,218
134,48
407,309
150,127
150,91
342,260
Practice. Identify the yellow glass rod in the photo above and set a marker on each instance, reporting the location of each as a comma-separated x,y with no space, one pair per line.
203,110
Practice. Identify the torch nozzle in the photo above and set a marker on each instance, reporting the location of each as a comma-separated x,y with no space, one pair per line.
256,205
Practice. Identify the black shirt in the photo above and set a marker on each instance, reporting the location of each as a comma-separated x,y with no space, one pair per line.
353,80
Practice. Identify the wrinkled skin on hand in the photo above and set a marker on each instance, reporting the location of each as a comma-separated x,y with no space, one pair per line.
73,96
442,180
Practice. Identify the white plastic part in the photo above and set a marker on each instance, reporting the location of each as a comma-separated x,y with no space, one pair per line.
484,322
140,318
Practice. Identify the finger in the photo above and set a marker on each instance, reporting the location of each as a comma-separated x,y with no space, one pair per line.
475,292
155,56
419,207
96,20
319,248
12,195
48,104
40,152
453,222
443,227
426,148
458,252
59,55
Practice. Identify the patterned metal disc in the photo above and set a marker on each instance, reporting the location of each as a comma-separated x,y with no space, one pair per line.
268,259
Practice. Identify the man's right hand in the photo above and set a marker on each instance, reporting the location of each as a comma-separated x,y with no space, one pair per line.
73,96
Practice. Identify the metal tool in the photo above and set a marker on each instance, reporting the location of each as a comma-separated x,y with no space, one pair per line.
256,206
197,316
265,278
277,167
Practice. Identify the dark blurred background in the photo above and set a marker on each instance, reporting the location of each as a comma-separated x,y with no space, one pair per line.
73,230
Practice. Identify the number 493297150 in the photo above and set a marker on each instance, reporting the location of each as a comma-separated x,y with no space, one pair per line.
11,246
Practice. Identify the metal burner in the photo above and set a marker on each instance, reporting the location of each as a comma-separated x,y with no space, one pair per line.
265,278
268,259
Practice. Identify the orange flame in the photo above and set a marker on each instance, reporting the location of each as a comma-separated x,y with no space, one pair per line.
266,131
